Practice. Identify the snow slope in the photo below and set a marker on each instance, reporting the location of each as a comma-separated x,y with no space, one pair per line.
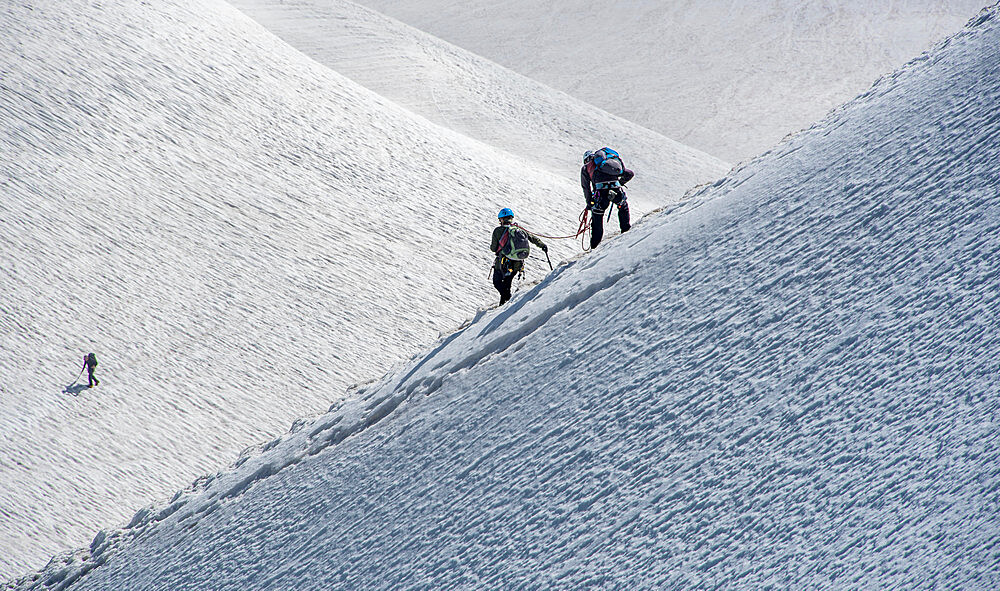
475,97
787,381
238,232
729,78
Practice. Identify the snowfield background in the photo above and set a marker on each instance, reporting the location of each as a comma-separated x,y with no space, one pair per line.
477,98
785,379
729,78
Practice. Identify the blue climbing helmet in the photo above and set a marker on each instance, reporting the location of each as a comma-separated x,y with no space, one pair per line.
505,213
588,156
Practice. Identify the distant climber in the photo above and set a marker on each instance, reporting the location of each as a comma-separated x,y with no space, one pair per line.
511,244
603,179
90,362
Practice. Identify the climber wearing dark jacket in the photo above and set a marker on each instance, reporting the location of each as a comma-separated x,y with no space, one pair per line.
504,268
603,180
90,362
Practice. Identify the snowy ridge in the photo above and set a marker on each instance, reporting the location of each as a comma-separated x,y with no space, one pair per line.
799,390
364,407
308,437
238,232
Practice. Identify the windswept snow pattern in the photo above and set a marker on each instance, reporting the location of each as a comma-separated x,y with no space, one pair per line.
237,231
787,381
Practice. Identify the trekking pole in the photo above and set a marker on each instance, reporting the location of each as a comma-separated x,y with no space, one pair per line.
548,259
78,376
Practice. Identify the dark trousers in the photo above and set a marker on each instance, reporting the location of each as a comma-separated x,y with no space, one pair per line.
91,380
601,202
502,284
504,271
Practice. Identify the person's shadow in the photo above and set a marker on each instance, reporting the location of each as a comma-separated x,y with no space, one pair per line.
75,389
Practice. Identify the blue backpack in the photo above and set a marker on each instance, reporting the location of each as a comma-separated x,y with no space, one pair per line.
608,161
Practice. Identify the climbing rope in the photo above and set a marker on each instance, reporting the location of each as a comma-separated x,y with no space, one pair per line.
581,230
584,230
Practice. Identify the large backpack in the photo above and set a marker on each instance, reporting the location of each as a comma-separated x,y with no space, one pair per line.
608,161
514,244
91,360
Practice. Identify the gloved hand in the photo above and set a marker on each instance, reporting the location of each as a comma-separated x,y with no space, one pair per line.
545,248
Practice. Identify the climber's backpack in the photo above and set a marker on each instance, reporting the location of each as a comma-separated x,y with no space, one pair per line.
608,161
514,244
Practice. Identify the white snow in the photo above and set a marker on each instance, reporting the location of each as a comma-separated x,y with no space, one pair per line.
787,380
240,233
477,98
729,78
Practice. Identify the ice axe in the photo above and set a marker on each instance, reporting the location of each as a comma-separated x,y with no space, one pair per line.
78,376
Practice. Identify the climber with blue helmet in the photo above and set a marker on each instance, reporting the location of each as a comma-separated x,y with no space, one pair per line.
510,243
